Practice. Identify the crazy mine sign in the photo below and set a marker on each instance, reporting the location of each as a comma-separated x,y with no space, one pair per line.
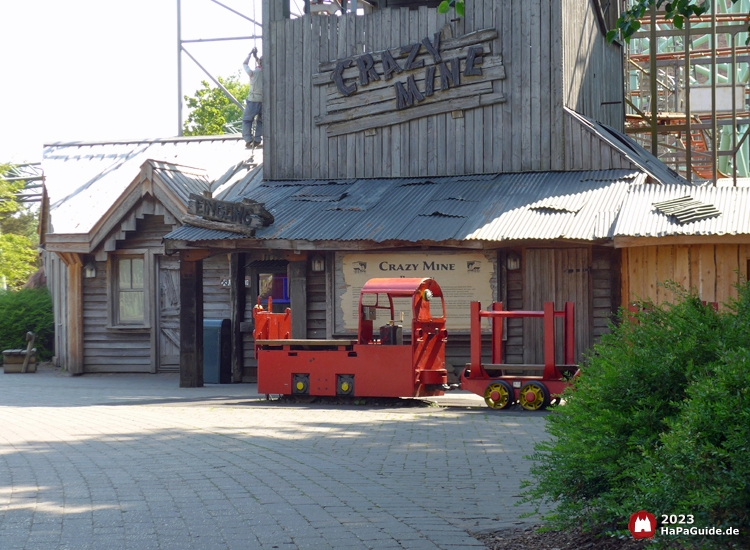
408,93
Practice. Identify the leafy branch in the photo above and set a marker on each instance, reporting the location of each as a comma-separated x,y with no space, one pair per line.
459,6
677,10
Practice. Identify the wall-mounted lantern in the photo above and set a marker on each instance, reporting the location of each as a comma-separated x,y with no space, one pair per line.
513,261
89,270
318,263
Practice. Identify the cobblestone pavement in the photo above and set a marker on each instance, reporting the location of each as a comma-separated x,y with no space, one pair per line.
132,461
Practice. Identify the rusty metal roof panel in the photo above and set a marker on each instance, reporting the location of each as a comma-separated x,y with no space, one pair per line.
640,218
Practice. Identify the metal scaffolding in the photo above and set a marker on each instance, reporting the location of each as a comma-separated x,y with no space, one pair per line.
181,42
695,113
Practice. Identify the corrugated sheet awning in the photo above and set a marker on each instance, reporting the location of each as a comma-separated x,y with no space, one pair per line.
492,207
194,234
640,218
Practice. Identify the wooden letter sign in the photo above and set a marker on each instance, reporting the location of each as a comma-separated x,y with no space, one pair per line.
429,77
247,213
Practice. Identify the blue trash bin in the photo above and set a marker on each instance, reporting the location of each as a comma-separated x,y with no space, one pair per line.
217,351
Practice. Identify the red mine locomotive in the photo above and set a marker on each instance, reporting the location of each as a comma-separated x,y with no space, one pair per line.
379,364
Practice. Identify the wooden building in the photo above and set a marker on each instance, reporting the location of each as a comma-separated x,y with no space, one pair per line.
485,151
537,57
106,208
696,236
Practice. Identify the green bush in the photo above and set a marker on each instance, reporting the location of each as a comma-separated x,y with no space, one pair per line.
27,310
659,420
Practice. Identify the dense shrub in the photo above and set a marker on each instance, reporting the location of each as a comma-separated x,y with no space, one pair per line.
659,420
23,311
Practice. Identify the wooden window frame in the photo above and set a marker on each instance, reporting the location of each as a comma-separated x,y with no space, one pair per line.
113,258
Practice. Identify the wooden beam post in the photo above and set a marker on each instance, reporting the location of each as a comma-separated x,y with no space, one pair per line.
75,312
298,298
237,296
191,321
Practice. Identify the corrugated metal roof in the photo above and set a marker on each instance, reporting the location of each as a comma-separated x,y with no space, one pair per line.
640,218
729,182
686,209
83,180
194,234
634,152
487,207
182,180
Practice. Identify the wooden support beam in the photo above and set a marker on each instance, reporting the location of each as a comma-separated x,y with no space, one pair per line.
237,293
191,322
298,298
75,312
195,255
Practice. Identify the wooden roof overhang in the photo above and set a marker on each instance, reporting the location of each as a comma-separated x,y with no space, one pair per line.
146,194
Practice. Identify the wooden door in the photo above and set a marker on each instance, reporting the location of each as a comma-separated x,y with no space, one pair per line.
169,315
557,275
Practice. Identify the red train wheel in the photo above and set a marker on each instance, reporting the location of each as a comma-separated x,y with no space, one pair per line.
534,396
498,395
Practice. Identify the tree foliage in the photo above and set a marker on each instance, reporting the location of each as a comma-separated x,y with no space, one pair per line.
628,23
18,236
459,5
660,421
676,10
27,310
211,111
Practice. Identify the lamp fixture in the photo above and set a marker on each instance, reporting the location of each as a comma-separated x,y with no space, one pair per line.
89,270
513,261
318,263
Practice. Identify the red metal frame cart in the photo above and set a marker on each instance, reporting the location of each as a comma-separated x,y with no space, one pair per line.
496,382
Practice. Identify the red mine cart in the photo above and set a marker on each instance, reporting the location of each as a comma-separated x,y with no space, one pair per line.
373,365
497,382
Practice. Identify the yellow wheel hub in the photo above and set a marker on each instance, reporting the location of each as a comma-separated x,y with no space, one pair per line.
300,386
496,396
532,397
344,387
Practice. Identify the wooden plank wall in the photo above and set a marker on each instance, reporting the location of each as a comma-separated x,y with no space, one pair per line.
558,275
514,342
316,304
546,274
592,68
120,350
147,233
57,282
524,133
710,269
107,350
604,286
584,150
216,303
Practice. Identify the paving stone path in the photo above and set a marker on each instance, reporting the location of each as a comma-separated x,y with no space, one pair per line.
133,462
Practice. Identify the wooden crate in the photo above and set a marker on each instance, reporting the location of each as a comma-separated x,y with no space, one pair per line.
13,360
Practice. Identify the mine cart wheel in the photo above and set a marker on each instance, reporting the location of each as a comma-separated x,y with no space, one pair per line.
498,395
534,396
